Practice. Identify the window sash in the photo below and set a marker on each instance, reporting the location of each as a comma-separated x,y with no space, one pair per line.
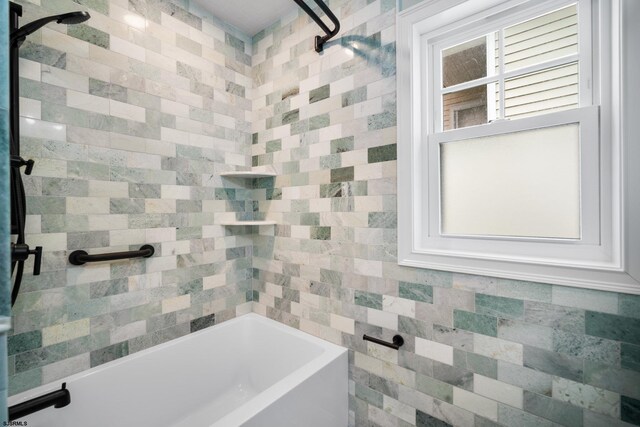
435,42
430,239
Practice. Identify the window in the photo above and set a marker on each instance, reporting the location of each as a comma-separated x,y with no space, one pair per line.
510,138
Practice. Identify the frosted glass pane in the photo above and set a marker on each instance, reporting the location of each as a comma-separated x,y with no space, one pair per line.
524,184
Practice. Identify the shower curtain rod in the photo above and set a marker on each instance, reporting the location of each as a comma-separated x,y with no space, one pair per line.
321,40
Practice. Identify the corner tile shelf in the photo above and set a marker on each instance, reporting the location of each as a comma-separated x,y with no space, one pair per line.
232,223
248,175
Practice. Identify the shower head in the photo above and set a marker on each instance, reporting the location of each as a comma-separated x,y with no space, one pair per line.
18,36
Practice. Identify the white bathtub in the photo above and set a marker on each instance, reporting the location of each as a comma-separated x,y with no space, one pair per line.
249,371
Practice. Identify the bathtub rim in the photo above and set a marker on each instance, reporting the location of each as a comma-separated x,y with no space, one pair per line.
330,353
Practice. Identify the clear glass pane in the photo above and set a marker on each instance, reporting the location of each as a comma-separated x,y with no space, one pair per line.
470,107
541,39
546,91
468,61
524,184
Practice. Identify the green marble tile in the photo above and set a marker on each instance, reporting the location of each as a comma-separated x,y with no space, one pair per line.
46,205
24,342
415,327
475,363
383,153
94,239
88,170
310,218
342,174
89,34
608,377
44,55
629,305
108,287
561,365
509,416
234,42
321,233
354,96
101,6
64,223
236,89
382,120
107,354
383,220
319,122
108,90
526,333
368,299
23,381
370,396
342,145
506,308
557,317
630,410
529,291
290,117
630,356
40,357
275,145
97,340
613,327
202,322
415,291
62,187
586,347
323,92
433,387
554,410
425,420
479,323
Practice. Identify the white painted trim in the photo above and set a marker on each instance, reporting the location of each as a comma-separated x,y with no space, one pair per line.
614,88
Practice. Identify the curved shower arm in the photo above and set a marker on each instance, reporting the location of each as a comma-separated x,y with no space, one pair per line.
320,41
18,36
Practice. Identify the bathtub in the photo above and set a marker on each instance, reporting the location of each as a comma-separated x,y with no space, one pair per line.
250,371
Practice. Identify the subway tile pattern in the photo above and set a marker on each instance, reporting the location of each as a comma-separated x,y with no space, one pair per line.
130,128
479,351
130,117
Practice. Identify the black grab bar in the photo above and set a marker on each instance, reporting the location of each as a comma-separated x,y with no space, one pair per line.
82,257
398,341
57,399
320,41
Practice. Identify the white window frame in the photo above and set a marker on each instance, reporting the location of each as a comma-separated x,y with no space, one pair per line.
608,255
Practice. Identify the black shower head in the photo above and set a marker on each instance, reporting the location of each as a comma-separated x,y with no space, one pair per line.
71,18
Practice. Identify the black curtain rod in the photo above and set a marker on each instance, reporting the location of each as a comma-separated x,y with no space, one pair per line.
320,41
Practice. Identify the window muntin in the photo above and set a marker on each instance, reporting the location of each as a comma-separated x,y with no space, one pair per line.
478,70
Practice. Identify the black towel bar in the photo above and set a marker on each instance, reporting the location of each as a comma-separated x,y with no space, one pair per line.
82,257
398,341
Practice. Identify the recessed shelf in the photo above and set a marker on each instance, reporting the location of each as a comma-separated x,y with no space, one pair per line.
247,174
230,223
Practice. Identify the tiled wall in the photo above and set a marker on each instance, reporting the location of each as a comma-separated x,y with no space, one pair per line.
131,128
130,117
479,351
